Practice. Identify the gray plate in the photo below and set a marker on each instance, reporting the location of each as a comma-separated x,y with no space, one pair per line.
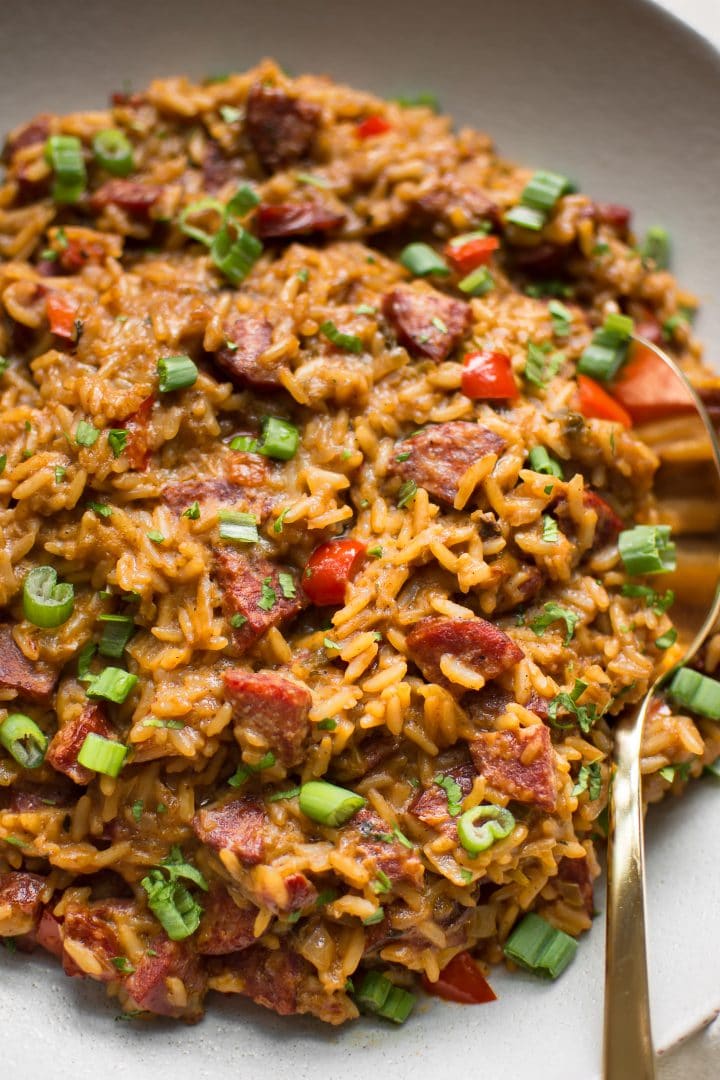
611,92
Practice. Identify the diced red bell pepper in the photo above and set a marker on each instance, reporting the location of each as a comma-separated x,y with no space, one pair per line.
330,567
488,375
649,390
596,403
474,253
372,125
461,981
62,313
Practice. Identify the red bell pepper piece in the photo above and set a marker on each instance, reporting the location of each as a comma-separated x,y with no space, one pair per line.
62,313
474,253
330,567
649,390
596,403
461,981
373,125
488,375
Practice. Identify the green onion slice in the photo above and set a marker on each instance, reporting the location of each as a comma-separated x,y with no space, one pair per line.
398,1005
45,602
113,152
478,282
117,631
349,342
543,190
696,692
65,155
647,549
373,991
112,684
235,257
607,352
172,905
328,804
498,824
539,947
23,740
194,210
280,439
175,373
656,247
102,755
238,526
526,217
422,260
541,462
242,202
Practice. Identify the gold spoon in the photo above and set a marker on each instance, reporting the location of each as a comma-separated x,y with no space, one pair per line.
628,1046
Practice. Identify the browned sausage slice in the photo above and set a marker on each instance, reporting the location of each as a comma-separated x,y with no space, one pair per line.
281,129
437,457
273,707
481,646
518,763
426,322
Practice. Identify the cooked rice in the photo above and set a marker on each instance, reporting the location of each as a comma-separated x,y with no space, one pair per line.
143,290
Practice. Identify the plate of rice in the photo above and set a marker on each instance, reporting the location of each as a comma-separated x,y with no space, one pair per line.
338,529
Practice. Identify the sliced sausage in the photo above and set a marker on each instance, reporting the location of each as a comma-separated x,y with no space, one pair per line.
245,342
217,169
372,842
492,701
520,764
273,707
21,900
130,195
431,805
576,873
426,322
481,646
153,984
448,197
35,132
281,129
437,457
91,938
138,428
241,581
32,680
208,492
608,525
235,826
67,742
281,220
225,926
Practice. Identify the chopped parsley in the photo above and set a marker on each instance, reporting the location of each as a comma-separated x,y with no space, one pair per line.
268,596
328,724
156,536
550,531
192,512
407,493
287,585
137,809
589,779
86,434
122,964
553,612
656,602
681,771
238,620
453,791
100,508
583,715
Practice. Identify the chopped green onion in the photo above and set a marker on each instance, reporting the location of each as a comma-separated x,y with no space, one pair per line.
657,603
376,917
382,883
553,612
550,531
328,643
177,867
313,181
117,631
268,596
114,152
349,342
45,602
3,463
607,352
156,722
655,247
398,1005
407,492
498,824
156,536
201,206
376,552
230,113
235,258
192,512
373,991
526,217
246,443
543,190
425,99
60,471
696,692
540,368
23,740
85,657
287,585
243,772
112,684
478,282
548,288
590,780
667,639
175,373
86,434
465,238
365,309
102,509
422,260
561,318
541,462
539,947
280,439
238,526
172,905
328,804
242,202
122,964
102,755
647,549
329,724
236,621
65,156
117,440
453,791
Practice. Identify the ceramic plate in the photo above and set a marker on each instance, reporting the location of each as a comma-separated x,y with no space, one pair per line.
614,93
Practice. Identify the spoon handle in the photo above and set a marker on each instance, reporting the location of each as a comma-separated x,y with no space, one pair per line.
628,1049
